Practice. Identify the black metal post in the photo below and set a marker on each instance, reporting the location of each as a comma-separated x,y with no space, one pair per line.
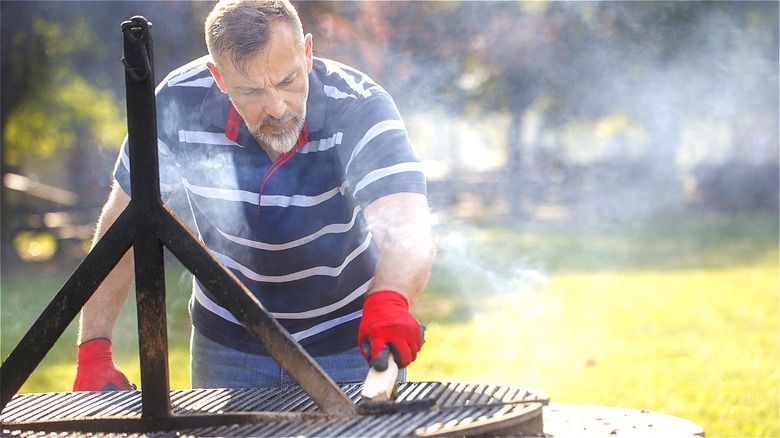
145,202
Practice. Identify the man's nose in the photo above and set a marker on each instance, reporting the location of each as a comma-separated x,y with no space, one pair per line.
275,105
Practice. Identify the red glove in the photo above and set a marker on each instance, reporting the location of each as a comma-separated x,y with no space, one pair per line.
387,323
96,368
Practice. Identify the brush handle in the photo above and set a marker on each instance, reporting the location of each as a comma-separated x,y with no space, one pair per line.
381,385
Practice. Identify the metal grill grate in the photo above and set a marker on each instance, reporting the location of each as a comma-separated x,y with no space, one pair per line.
448,408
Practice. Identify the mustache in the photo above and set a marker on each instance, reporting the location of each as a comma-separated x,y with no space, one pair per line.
271,120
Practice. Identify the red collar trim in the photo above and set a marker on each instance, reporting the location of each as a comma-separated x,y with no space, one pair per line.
303,138
233,126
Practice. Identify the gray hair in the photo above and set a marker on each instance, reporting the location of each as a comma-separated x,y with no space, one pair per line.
243,27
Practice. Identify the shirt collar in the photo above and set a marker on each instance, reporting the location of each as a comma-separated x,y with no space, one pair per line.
216,106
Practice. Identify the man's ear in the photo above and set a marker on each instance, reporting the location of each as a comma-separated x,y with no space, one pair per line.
308,50
217,76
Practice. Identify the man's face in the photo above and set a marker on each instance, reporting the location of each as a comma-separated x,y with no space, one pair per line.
271,95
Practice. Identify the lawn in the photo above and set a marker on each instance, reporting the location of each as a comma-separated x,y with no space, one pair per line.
678,315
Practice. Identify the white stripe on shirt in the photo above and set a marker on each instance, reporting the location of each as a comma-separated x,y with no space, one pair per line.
267,200
205,82
321,145
349,79
375,131
163,148
328,271
298,336
186,72
211,306
387,171
204,137
335,93
302,200
319,328
223,313
328,229
223,194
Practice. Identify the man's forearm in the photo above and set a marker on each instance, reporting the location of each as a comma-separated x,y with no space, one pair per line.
405,271
401,227
100,313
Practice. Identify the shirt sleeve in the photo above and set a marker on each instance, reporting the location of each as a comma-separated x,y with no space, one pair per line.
377,155
169,170
170,180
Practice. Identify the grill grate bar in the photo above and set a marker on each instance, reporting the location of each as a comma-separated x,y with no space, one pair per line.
451,394
353,391
277,399
500,392
417,391
59,407
27,411
210,403
246,403
336,428
298,401
89,408
181,399
132,403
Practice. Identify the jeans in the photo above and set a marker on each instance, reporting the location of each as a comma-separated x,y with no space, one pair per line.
213,365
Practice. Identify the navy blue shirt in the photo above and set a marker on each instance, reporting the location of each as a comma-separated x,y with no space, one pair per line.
293,230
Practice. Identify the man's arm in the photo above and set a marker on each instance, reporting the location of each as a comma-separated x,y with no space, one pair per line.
100,313
401,227
400,224
96,368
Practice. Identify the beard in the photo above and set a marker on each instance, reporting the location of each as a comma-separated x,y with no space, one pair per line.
282,141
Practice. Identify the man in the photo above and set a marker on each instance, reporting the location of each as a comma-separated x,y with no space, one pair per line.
300,178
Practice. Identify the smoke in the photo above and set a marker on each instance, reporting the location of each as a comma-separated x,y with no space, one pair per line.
470,263
625,103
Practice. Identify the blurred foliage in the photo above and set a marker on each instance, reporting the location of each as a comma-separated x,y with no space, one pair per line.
652,64
60,112
62,85
63,107
647,62
33,246
62,79
583,83
590,58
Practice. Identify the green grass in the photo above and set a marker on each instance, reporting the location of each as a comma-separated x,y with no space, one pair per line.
25,296
678,316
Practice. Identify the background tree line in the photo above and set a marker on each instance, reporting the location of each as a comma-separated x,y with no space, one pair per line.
523,109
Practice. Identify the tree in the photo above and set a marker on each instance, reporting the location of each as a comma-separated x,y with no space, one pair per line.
62,82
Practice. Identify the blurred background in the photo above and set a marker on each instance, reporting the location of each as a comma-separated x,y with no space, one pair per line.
603,178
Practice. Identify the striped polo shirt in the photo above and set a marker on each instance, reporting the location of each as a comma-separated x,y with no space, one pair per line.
293,230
